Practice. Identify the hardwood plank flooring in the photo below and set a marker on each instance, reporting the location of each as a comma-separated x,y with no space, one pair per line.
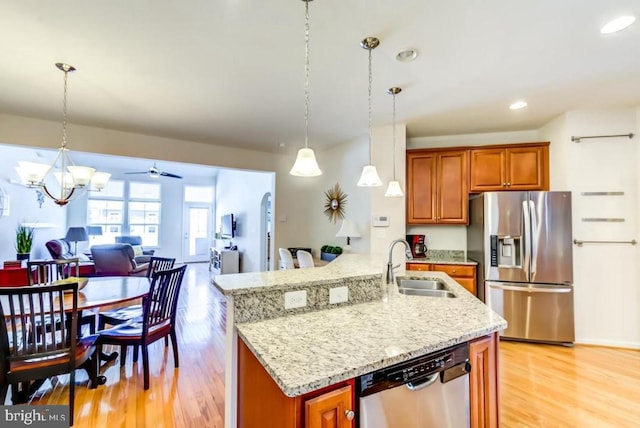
541,385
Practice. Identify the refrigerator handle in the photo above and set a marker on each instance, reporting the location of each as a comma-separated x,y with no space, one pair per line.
534,240
526,228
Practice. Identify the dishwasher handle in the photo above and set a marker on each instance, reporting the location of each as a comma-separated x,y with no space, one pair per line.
430,380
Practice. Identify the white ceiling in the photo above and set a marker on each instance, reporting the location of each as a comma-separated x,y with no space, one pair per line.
231,71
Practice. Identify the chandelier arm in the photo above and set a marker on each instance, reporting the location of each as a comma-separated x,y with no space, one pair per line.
394,136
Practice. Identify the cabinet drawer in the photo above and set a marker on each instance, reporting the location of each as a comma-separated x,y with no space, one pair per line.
466,271
419,266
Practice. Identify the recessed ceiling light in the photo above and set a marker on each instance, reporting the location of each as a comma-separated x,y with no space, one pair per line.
618,24
518,105
407,55
282,145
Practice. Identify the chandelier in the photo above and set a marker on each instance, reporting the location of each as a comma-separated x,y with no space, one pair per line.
306,165
69,176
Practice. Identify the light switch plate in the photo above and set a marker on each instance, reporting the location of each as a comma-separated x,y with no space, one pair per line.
295,299
338,295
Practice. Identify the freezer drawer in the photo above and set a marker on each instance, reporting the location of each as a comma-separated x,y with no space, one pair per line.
538,312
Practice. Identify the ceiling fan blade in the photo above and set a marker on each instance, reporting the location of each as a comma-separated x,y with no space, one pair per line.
138,172
168,174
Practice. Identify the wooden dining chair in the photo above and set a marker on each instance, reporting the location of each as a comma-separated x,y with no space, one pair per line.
26,355
50,271
305,259
119,316
158,320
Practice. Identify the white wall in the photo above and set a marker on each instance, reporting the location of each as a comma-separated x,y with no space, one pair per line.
50,219
606,276
240,193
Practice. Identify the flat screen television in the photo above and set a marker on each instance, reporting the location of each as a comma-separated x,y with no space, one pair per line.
228,229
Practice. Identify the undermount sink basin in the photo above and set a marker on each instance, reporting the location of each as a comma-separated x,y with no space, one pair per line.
421,284
423,287
426,292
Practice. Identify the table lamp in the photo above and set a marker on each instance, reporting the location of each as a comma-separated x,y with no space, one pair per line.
348,230
75,234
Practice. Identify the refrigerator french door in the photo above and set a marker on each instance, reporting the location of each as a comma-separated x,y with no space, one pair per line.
527,261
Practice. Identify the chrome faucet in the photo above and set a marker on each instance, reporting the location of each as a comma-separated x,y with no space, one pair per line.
390,266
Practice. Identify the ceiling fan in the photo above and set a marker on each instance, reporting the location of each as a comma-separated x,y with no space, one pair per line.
154,172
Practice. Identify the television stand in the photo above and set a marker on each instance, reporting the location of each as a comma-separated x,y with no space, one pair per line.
223,261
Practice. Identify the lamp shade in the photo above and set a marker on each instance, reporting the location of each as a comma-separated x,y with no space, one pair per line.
369,177
75,234
94,230
394,190
305,165
348,229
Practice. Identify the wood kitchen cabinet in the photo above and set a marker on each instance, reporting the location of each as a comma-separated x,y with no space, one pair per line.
464,275
437,187
261,402
514,167
483,382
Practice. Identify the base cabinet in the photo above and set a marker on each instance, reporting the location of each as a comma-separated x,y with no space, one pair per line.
483,382
464,275
262,404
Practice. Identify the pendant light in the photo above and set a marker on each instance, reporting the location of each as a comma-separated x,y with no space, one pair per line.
70,177
369,177
394,190
306,165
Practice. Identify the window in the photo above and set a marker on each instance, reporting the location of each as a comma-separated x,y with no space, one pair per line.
106,210
134,212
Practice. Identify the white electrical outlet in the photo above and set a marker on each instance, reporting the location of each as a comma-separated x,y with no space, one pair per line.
338,295
295,299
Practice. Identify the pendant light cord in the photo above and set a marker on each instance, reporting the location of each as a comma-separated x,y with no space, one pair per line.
306,74
394,136
370,84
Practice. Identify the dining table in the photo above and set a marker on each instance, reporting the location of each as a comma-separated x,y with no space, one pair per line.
100,291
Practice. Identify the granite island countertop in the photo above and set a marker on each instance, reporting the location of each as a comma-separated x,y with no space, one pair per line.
306,351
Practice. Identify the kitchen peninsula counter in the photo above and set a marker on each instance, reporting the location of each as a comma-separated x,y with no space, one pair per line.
308,348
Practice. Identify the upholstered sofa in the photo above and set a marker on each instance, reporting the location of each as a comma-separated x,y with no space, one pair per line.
141,255
116,260
60,249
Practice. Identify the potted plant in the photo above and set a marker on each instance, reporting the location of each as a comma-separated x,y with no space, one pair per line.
24,242
329,252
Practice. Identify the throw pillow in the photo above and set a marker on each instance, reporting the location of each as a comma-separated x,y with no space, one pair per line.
137,250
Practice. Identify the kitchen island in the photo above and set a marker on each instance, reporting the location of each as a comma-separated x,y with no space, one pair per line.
309,348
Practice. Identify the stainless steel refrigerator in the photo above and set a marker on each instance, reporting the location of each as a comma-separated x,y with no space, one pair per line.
522,242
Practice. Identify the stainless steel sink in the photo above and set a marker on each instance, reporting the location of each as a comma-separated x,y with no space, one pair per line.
423,287
426,292
421,284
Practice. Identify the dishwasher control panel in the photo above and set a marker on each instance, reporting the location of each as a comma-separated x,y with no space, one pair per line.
412,370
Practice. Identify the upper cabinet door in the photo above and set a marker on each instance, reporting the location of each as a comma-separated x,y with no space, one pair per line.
517,167
527,168
421,188
488,170
453,193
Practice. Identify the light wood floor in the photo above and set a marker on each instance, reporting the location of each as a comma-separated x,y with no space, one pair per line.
541,385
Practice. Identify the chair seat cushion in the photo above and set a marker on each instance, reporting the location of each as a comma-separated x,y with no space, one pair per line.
121,315
84,348
131,330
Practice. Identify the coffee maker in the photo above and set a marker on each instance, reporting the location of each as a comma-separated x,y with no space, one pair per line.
418,246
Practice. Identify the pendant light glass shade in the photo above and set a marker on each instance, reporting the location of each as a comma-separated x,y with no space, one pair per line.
394,190
369,176
306,165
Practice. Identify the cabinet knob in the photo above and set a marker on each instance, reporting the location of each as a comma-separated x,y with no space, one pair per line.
508,184
349,414
504,184
454,271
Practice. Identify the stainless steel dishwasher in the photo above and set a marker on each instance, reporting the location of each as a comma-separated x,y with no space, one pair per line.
428,391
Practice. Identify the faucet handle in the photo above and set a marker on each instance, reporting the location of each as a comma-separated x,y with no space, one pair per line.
409,254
